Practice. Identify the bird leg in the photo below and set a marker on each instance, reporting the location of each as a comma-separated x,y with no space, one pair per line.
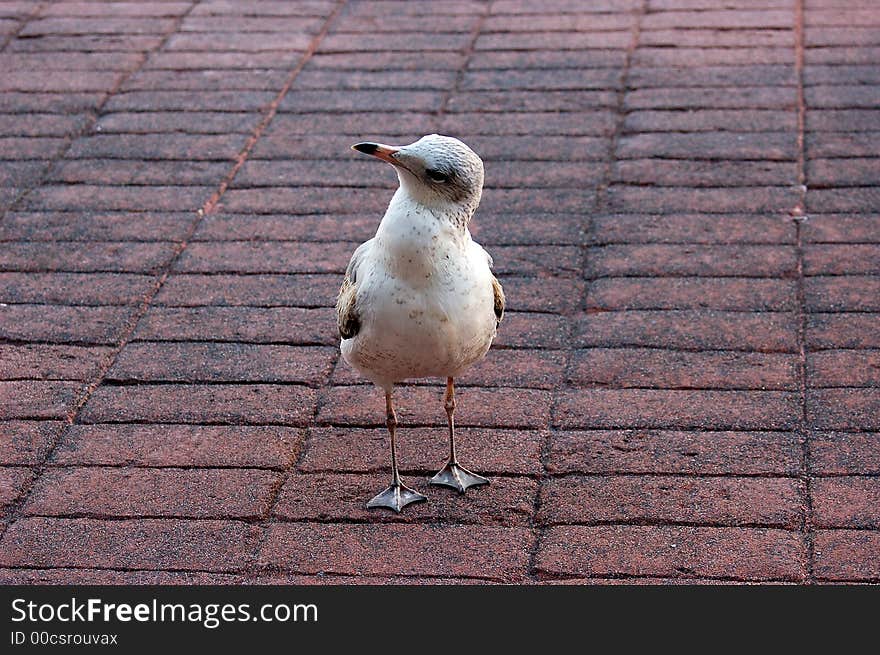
453,475
398,495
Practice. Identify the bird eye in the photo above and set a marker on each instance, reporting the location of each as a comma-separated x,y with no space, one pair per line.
437,176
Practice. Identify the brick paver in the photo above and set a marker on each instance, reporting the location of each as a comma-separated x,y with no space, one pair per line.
681,200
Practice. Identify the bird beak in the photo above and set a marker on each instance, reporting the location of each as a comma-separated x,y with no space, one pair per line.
378,150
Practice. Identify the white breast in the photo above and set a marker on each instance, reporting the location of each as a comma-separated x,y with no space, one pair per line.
425,299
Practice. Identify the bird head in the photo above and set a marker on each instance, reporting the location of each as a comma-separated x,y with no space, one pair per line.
437,171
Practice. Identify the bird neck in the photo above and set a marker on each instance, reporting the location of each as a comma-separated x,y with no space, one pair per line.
417,238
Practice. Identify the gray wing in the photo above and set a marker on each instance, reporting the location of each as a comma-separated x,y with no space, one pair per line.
347,317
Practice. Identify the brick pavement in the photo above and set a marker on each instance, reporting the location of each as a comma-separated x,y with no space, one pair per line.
682,204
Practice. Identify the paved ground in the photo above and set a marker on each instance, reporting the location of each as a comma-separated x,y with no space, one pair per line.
681,203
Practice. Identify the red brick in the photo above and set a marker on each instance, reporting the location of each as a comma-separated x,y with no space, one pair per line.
854,199
304,200
43,362
265,257
699,260
13,482
48,226
595,122
251,23
557,22
24,147
488,552
717,38
684,199
373,42
116,492
63,81
664,451
222,362
534,369
317,78
532,330
842,144
745,97
291,325
551,40
191,122
546,59
836,228
420,450
238,41
159,146
843,331
110,577
40,125
92,61
736,294
383,60
123,43
726,146
17,101
597,78
842,293
84,257
846,502
27,442
373,580
844,368
530,101
705,173
149,9
364,405
21,174
844,409
262,8
710,120
729,18
250,290
687,57
177,60
196,81
343,497
102,198
319,227
74,288
847,555
692,228
843,120
138,172
770,502
676,369
547,200
133,544
385,8
842,172
179,445
184,403
371,100
841,96
845,453
653,408
188,101
30,399
841,16
732,553
100,325
531,294
96,25
709,76
689,330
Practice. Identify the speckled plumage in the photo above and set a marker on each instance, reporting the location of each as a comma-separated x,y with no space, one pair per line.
419,299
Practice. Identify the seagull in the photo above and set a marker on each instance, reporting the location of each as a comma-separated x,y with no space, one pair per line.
419,299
